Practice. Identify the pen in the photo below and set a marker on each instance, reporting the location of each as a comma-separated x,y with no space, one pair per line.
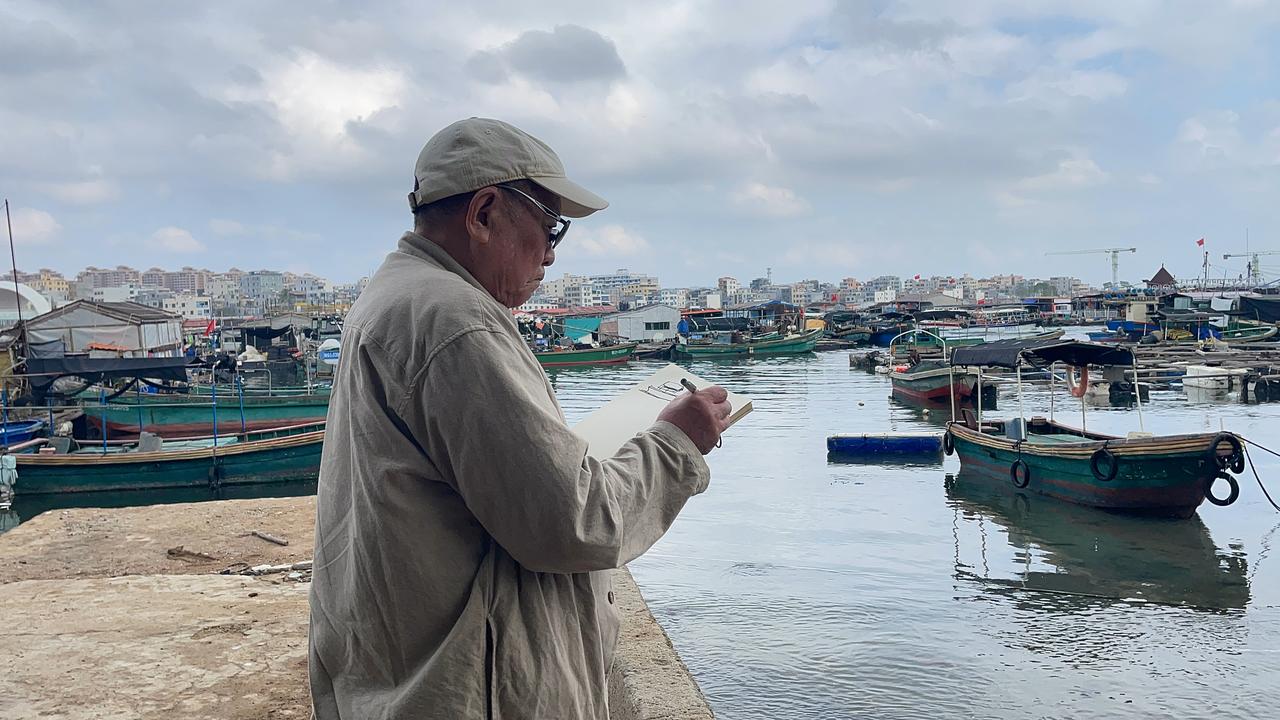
688,385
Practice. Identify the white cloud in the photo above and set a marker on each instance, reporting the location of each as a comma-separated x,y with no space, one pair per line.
609,241
83,192
769,201
1212,137
176,240
1072,173
33,227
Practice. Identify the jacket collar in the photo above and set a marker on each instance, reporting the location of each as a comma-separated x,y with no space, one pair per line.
415,245
411,243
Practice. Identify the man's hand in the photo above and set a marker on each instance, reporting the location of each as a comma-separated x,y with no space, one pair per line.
702,415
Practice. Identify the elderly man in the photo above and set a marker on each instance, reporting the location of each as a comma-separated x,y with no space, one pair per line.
464,538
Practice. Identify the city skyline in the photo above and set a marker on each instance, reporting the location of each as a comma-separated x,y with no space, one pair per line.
900,137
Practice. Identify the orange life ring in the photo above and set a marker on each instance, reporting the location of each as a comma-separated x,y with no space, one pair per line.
1078,390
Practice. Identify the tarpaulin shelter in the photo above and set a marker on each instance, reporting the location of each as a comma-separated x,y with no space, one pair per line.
41,372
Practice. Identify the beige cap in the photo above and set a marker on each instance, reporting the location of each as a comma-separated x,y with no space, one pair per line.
478,152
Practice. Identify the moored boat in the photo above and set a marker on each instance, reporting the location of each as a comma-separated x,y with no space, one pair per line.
1260,333
932,382
282,454
1140,473
772,345
14,432
603,355
182,416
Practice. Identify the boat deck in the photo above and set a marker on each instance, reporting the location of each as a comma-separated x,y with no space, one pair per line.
1055,439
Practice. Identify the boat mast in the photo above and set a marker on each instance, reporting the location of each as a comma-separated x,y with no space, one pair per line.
13,259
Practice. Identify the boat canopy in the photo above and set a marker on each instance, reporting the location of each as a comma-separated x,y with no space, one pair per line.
1009,353
1265,309
41,372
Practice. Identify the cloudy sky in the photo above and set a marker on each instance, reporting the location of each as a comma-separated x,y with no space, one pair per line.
822,139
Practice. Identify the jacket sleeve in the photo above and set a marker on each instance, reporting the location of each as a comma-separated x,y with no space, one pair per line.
495,433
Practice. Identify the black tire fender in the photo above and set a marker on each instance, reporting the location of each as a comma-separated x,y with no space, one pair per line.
1233,462
1231,496
1020,474
948,442
1104,465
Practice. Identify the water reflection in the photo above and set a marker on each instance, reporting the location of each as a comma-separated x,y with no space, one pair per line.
1063,557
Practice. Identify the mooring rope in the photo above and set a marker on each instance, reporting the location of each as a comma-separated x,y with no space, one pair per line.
1254,467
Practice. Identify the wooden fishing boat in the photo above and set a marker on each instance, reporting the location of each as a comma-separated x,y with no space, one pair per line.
654,351
1260,333
174,416
932,382
282,454
207,390
603,355
778,345
1141,473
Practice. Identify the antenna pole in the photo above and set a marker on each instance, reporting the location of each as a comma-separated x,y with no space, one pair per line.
13,260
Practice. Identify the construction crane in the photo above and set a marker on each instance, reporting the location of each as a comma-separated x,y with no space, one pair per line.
1115,259
1254,268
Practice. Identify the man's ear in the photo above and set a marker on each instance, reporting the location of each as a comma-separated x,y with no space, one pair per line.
480,214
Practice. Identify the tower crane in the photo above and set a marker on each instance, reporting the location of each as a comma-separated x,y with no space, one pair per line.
1255,269
1115,259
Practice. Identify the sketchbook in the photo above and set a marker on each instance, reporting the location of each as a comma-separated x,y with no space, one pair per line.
632,412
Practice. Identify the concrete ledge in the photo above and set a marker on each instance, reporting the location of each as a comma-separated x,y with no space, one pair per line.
649,681
102,620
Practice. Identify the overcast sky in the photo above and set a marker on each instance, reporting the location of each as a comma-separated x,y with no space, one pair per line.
822,139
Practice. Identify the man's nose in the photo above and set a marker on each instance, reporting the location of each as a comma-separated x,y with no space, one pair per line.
549,257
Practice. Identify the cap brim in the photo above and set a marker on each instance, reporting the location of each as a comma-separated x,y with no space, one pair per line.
575,200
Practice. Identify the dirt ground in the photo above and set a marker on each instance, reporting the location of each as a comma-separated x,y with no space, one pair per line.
96,543
122,614
153,647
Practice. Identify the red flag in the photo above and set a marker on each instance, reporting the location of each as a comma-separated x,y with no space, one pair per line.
208,329
1200,242
834,297
916,277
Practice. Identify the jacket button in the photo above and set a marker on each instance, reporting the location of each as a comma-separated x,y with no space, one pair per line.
610,597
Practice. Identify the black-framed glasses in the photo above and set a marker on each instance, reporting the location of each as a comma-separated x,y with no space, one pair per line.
555,234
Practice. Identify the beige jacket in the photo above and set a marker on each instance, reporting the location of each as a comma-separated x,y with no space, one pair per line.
462,533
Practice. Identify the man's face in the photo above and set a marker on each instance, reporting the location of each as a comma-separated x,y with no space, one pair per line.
518,252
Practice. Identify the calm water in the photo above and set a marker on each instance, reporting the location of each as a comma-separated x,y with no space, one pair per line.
799,588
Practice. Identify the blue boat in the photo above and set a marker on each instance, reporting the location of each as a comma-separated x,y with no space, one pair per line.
12,433
1131,327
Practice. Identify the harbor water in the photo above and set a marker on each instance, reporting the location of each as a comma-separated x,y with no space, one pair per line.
801,588
798,587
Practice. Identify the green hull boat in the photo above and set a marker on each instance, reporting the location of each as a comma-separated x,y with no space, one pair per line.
279,455
609,355
180,416
1258,333
790,345
1167,476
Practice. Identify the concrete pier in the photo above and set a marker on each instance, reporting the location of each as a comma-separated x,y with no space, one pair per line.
123,614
